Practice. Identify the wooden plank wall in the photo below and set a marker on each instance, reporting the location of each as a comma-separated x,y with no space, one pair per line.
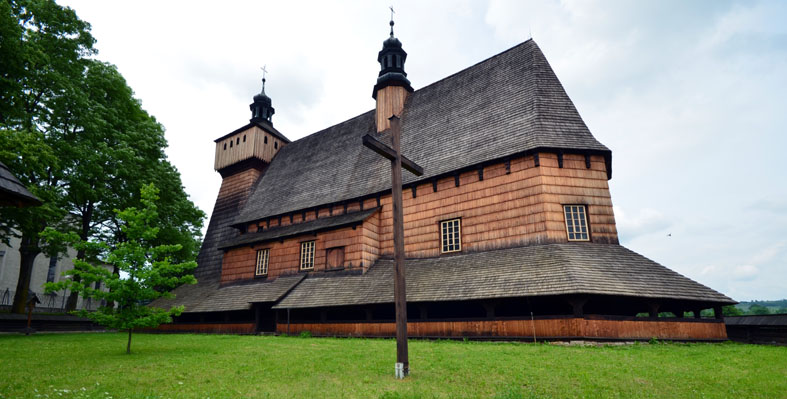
544,329
284,257
390,101
505,210
254,146
207,328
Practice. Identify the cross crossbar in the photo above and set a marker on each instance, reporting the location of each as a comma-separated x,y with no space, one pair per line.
388,152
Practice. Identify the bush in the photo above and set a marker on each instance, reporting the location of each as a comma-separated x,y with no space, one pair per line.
305,334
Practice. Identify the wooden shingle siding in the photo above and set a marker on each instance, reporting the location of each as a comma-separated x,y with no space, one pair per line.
519,206
254,147
390,101
284,257
560,328
504,210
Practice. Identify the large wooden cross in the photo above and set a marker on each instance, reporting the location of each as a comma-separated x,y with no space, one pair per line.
398,161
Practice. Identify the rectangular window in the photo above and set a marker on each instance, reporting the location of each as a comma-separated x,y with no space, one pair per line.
307,255
451,235
262,263
576,222
50,275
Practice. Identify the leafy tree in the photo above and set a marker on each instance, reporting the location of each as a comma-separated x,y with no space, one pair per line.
731,310
758,309
147,272
73,133
42,46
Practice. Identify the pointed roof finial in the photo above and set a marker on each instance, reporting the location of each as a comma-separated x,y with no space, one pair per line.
264,72
392,21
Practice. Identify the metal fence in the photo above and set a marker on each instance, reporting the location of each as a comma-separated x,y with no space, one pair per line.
52,302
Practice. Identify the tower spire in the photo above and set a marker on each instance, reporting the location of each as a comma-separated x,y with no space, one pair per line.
264,72
392,21
262,107
391,59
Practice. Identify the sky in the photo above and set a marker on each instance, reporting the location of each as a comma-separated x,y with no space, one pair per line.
689,96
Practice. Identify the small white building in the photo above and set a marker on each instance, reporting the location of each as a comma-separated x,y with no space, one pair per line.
45,269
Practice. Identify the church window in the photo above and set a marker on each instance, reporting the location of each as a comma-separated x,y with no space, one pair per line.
230,143
237,140
275,145
261,268
451,235
265,140
225,146
244,138
307,255
576,222
50,275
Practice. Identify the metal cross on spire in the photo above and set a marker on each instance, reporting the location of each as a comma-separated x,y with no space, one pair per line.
264,72
392,21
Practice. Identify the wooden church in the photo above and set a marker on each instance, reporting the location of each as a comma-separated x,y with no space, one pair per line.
509,232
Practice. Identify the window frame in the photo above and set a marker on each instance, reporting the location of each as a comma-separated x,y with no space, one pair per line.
266,253
458,238
584,213
308,249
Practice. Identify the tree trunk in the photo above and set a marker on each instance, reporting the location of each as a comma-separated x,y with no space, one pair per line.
28,250
71,304
128,347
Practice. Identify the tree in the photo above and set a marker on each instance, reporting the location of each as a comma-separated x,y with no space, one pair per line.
73,133
147,272
757,309
731,310
42,48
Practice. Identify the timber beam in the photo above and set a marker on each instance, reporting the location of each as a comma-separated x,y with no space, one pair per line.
382,149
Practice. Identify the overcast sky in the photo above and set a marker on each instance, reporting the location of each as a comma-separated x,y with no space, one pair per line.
690,97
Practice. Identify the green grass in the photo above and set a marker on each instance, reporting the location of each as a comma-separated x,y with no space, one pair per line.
223,366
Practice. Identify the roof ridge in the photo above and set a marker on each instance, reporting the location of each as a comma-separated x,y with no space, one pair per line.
488,59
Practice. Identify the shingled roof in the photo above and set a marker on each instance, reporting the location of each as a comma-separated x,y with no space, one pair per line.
13,192
538,270
509,104
274,233
211,297
240,297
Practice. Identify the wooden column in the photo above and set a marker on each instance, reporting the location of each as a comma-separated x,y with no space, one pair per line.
653,309
489,306
577,305
398,161
400,292
717,313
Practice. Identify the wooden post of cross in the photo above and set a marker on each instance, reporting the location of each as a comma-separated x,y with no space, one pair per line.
398,161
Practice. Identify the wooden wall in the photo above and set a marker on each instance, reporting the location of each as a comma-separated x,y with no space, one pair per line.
284,257
507,208
504,210
575,328
208,328
254,146
390,101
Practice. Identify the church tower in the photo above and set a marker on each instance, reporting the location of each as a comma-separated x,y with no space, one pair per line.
242,156
392,85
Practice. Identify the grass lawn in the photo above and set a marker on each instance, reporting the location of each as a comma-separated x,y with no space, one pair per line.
94,365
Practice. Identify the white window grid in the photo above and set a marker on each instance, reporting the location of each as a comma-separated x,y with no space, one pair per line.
576,222
307,255
263,255
451,236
